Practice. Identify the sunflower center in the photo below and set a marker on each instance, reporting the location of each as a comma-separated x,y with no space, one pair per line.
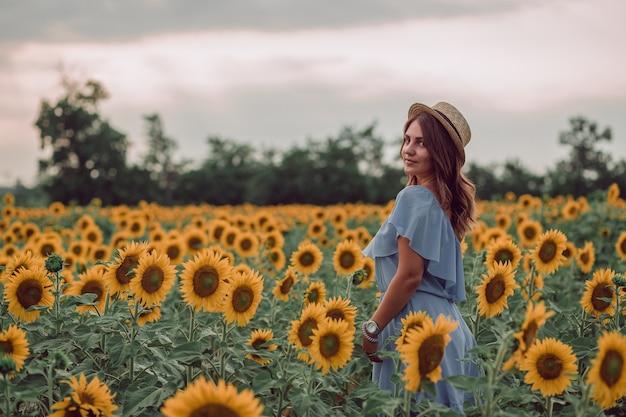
47,249
584,257
29,293
305,331
307,259
286,286
93,287
245,244
495,289
329,345
622,246
503,255
6,347
313,296
152,279
173,251
257,343
72,411
230,238
205,281
126,271
611,369
430,354
135,227
346,260
213,410
549,366
243,298
601,292
336,314
194,242
530,333
547,252
85,398
529,233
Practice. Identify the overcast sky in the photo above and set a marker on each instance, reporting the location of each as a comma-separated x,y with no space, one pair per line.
274,73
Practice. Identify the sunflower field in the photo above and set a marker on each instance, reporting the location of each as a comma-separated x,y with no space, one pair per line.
255,311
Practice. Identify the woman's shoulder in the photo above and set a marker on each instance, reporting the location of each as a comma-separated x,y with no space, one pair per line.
416,195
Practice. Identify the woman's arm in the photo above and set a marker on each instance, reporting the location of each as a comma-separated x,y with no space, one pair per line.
402,287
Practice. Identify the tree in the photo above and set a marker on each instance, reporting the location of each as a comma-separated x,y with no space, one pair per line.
88,156
158,161
587,168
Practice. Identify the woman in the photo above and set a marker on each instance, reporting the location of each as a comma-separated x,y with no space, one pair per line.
417,252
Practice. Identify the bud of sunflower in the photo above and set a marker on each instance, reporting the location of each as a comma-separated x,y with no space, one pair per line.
358,276
54,263
59,360
619,280
7,365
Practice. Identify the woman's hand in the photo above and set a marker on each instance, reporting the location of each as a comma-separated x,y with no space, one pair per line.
371,350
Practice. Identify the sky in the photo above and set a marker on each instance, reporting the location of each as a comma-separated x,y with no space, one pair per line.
277,73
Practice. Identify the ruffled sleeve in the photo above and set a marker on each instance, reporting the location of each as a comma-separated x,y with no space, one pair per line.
418,216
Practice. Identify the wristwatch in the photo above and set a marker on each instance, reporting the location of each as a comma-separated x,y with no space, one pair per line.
371,327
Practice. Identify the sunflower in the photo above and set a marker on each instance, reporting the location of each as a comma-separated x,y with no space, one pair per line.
528,232
174,247
23,260
194,240
119,274
413,320
47,245
92,235
497,285
503,221
598,290
503,250
29,287
550,366
93,398
260,340
332,344
302,330
612,194
155,277
14,344
569,253
79,248
216,228
91,282
548,252
607,374
570,210
586,257
620,246
423,351
315,293
203,398
307,259
85,222
149,315
536,316
57,209
136,226
339,309
274,239
204,281
316,229
283,287
229,237
347,257
276,257
100,252
243,297
247,244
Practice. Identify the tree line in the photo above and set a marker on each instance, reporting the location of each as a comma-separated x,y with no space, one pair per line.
86,158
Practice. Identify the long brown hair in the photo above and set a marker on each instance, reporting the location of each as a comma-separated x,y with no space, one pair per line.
456,193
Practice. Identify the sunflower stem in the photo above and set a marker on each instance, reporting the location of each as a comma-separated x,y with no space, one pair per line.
49,380
407,403
222,349
549,404
531,282
191,337
618,313
7,395
57,302
133,334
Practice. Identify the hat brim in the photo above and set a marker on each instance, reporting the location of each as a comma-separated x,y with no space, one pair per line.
418,108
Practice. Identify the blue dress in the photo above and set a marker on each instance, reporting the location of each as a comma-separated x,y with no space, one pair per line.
418,216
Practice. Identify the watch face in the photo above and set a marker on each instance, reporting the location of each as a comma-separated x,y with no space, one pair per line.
371,327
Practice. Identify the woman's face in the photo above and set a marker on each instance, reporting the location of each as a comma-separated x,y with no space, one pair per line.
417,160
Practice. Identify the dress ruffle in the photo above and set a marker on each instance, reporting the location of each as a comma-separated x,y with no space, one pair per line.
418,216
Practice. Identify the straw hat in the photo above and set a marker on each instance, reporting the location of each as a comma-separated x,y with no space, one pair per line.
450,118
